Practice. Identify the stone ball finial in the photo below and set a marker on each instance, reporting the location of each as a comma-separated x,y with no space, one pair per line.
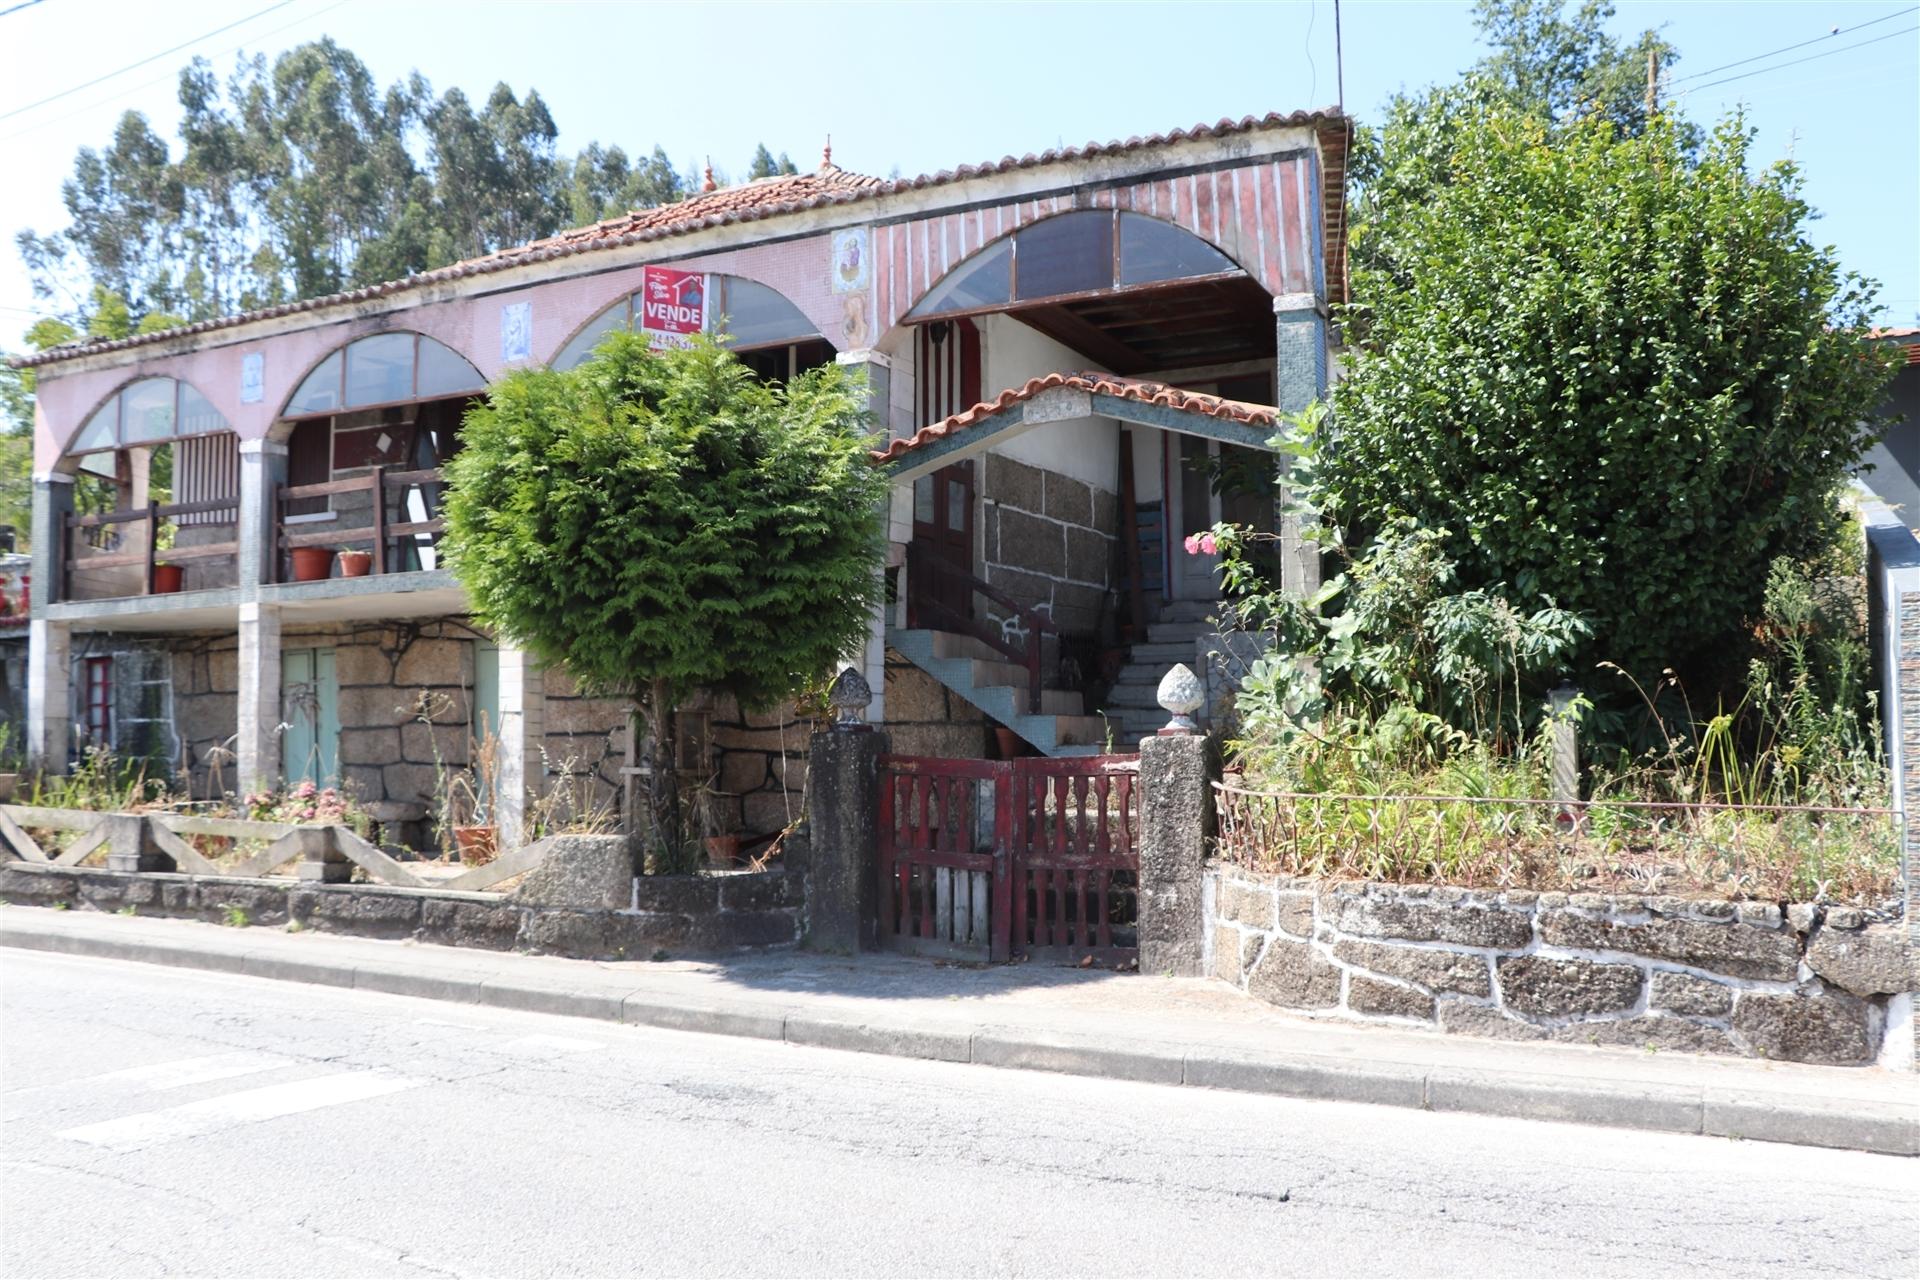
849,697
1180,695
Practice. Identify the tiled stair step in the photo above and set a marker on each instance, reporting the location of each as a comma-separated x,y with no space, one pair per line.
1053,702
1050,734
951,644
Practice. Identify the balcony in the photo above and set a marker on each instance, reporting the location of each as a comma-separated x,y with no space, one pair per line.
359,516
119,554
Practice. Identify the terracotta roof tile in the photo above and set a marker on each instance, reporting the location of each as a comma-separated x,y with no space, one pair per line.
1103,384
767,198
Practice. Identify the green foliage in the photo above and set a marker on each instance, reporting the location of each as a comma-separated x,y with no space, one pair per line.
1565,63
661,522
763,164
235,917
1619,378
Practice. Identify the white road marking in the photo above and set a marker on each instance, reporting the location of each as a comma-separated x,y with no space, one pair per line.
541,1043
177,1074
211,1115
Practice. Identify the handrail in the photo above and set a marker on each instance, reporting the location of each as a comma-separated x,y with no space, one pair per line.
379,531
921,562
149,556
142,513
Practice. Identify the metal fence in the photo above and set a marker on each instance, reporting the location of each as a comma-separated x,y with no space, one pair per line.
1761,850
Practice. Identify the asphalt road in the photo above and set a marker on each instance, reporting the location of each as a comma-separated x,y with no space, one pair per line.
163,1122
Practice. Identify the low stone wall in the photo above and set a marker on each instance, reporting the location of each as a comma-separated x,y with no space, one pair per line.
1805,984
674,916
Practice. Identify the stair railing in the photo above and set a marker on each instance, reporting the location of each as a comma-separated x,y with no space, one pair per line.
934,588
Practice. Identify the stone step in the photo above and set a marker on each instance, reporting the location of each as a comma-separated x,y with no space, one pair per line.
1188,610
951,644
1010,675
1163,655
1177,632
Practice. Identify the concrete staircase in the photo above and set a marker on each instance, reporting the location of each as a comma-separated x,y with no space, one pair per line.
1133,707
986,679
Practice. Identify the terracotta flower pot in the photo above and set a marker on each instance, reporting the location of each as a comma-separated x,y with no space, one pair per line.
475,845
168,578
723,851
355,564
312,564
1008,741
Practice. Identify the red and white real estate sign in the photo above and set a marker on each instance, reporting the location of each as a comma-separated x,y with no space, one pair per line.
673,305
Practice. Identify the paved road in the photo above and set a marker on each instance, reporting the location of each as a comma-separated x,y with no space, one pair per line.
166,1122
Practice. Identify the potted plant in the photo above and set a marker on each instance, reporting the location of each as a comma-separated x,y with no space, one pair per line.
355,563
312,564
168,578
722,846
1008,741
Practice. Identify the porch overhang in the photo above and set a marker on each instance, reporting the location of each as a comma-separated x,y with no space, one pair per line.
1063,397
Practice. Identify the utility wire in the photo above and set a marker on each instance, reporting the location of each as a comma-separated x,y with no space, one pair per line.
25,4
123,93
1837,31
1781,66
144,61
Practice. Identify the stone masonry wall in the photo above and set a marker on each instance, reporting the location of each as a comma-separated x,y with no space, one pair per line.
1808,984
925,718
1049,539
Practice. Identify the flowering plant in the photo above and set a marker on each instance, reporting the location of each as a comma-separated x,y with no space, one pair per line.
1202,544
304,802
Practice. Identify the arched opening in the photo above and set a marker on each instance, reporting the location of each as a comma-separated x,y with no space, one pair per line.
1129,292
770,335
368,431
156,495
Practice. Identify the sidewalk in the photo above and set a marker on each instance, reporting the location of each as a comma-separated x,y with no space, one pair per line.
1130,1027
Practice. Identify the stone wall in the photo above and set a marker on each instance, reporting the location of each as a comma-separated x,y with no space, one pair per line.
1807,984
925,718
1049,539
676,915
760,765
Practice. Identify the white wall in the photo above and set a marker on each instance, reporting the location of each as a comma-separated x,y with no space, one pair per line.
1084,448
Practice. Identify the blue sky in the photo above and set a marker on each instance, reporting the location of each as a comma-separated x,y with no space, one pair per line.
929,86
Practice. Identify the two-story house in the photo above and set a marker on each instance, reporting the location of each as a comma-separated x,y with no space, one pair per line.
236,521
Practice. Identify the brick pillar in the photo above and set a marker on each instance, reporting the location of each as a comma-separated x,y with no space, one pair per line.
522,731
1176,814
263,466
1300,378
257,748
843,821
49,692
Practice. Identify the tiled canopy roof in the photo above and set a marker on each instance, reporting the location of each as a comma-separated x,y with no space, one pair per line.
1907,337
1100,384
768,198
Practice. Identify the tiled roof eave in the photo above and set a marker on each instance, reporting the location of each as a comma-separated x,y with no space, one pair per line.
839,188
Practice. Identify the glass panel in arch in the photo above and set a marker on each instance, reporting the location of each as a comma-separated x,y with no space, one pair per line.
1072,253
614,317
756,315
197,414
99,433
147,411
987,281
1153,250
445,372
320,391
380,369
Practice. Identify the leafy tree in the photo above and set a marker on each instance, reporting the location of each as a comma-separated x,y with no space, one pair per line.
763,165
661,522
604,183
1621,376
1565,62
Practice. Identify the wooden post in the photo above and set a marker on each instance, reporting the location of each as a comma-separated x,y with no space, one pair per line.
379,519
153,537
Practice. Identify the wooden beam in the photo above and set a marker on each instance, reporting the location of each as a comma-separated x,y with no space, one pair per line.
1090,340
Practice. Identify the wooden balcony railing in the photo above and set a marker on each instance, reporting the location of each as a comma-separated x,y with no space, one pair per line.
107,533
379,532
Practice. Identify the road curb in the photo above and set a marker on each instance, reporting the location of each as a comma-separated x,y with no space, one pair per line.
1849,1124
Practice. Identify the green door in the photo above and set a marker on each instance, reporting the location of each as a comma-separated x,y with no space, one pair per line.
310,706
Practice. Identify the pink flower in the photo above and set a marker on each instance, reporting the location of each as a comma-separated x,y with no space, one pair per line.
1207,544
1193,544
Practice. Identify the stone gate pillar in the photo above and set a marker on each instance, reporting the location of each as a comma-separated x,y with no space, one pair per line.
843,816
1176,810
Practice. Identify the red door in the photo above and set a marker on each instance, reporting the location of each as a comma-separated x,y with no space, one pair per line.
943,538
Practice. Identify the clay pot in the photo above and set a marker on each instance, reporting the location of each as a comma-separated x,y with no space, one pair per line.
168,578
475,845
1009,742
355,564
723,851
312,564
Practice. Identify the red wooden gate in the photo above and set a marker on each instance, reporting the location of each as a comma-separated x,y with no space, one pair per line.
986,859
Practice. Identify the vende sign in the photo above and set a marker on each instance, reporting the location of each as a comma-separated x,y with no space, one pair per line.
673,304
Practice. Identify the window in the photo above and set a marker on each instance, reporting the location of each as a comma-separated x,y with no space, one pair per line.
145,412
1070,254
97,709
755,318
386,368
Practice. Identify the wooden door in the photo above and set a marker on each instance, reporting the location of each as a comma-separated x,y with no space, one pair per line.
943,529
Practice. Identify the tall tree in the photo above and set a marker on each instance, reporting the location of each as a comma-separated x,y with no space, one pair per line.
764,165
